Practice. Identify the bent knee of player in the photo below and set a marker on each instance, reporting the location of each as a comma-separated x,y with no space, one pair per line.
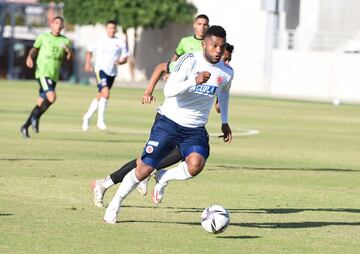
142,170
195,163
51,97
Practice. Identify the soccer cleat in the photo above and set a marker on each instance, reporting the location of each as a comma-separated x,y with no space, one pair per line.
159,189
85,124
142,186
35,124
25,132
110,215
101,126
98,191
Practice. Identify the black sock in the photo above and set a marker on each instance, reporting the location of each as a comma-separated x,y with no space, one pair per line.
119,174
173,157
34,112
43,107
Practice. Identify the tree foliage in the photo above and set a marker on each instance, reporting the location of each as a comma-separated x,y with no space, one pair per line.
129,13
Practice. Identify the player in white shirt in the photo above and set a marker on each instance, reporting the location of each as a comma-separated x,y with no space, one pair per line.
109,52
189,94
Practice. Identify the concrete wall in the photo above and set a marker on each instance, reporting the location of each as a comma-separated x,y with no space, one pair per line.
316,75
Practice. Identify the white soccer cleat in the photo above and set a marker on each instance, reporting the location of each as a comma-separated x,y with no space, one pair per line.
98,191
143,186
159,189
111,215
101,126
85,124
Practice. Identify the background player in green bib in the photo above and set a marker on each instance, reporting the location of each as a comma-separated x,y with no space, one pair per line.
193,43
49,50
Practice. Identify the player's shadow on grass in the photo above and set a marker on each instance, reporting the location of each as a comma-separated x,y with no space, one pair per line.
273,225
302,224
6,214
228,167
238,237
28,159
88,140
294,210
249,210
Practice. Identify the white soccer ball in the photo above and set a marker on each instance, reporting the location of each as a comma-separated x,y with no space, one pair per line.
215,219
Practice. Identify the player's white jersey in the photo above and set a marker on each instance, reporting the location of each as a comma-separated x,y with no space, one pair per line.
107,51
188,103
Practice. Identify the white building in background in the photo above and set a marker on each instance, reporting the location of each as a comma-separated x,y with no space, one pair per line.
292,48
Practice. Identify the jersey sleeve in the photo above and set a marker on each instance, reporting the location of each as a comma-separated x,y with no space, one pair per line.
68,43
170,66
124,49
223,94
38,42
93,46
182,77
180,48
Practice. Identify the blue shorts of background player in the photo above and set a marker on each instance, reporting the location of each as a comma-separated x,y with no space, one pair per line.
166,135
104,80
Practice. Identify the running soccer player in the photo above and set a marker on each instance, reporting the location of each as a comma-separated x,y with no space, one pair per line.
49,50
189,94
110,52
100,186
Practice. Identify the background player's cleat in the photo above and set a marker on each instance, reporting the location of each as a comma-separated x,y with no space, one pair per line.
85,124
101,126
159,188
143,185
35,124
110,215
98,191
25,132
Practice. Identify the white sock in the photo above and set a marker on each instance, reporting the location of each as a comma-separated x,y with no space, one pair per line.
92,108
180,172
102,109
108,182
128,184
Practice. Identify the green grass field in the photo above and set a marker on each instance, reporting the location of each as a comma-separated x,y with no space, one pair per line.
292,188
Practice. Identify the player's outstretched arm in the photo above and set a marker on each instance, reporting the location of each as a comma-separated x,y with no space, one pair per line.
88,67
31,57
155,76
174,58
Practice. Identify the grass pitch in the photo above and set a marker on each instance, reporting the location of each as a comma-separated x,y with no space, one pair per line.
292,188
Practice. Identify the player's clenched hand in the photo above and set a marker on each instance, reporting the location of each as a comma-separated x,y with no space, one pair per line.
29,62
227,136
202,77
147,98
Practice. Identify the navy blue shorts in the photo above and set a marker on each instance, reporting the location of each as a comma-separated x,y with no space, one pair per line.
46,85
104,80
166,135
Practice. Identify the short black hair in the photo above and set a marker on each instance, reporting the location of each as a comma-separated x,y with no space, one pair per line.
111,21
217,31
59,17
202,16
229,47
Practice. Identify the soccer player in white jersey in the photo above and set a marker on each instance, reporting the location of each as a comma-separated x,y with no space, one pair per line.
109,52
189,94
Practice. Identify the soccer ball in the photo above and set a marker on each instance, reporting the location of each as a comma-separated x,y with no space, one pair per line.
215,219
